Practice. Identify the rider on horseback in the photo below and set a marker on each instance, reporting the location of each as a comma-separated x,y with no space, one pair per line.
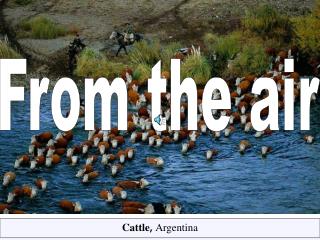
78,42
75,47
128,37
129,34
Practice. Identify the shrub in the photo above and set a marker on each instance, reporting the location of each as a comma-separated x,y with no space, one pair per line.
167,53
251,60
142,73
196,67
94,65
23,2
6,52
316,11
308,34
267,22
226,47
145,53
88,64
42,28
221,49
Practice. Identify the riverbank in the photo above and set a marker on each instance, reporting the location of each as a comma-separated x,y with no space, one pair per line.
186,21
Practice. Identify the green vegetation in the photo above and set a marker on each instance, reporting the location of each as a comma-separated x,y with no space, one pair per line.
94,65
244,52
6,52
196,67
225,47
238,53
23,2
142,73
221,49
149,53
251,60
41,28
267,23
316,11
142,57
167,53
308,32
145,53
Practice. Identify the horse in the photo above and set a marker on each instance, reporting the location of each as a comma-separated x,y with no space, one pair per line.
123,42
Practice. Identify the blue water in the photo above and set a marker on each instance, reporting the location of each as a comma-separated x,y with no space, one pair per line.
287,181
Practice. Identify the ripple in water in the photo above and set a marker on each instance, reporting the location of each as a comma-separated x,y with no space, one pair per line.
287,181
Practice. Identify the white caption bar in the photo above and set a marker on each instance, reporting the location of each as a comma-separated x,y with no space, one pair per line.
114,228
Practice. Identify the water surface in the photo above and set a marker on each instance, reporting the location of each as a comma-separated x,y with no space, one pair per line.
287,181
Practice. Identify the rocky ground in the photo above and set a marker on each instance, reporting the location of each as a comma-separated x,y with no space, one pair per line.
183,20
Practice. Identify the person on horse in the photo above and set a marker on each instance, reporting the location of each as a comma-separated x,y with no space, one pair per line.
129,34
75,47
125,38
78,42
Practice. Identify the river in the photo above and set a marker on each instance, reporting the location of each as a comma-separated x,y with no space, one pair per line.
287,181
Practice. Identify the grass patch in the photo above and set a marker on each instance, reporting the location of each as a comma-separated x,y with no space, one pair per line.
167,53
221,49
6,52
142,73
225,47
94,65
144,52
196,67
41,28
266,22
308,32
251,60
148,53
316,11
